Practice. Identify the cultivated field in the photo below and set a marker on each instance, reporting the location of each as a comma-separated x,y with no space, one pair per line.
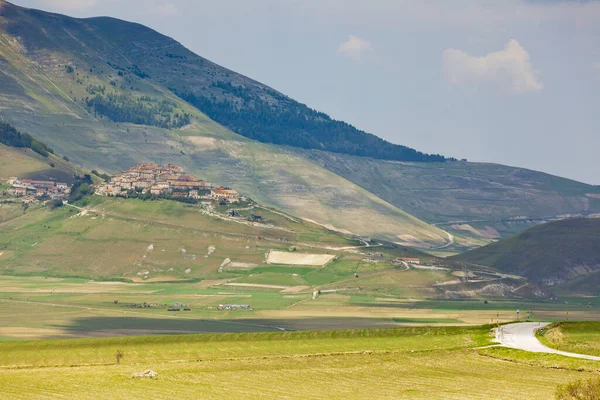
410,363
46,308
287,258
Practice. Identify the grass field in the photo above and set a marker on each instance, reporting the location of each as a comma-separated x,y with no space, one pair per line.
45,308
411,363
134,239
25,163
576,337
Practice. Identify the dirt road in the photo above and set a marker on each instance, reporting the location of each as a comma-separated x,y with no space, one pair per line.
522,336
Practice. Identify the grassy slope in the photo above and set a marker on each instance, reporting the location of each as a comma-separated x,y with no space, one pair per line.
465,191
576,337
113,240
40,100
550,253
419,363
477,193
25,163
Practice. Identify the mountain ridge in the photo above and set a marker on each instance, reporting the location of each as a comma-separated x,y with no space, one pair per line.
56,74
553,254
249,108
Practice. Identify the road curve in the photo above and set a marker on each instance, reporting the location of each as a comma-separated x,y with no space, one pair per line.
522,336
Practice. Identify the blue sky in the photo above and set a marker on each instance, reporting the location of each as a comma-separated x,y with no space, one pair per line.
510,81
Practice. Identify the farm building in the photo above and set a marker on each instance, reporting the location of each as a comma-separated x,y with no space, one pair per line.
234,307
225,194
408,260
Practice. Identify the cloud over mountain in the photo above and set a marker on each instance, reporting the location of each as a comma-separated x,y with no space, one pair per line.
508,69
355,48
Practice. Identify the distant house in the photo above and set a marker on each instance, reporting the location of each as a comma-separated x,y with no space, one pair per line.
225,194
19,191
179,194
408,260
234,307
30,200
38,184
159,189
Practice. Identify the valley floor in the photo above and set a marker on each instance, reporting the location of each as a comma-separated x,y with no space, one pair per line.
47,308
408,363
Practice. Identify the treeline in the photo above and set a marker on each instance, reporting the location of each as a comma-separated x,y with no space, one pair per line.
291,123
10,136
141,111
139,194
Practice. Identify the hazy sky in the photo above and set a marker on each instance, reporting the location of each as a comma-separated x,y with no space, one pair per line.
509,81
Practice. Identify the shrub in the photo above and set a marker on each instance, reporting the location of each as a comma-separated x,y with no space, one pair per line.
119,356
52,204
580,390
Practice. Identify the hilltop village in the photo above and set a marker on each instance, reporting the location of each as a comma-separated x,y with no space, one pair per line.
31,191
167,181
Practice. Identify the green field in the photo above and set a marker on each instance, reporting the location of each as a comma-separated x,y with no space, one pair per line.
575,337
433,363
46,308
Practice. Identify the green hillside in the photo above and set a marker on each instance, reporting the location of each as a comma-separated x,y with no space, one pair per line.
562,253
60,90
27,164
92,93
477,200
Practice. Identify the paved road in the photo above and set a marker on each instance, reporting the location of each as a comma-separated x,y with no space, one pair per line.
522,336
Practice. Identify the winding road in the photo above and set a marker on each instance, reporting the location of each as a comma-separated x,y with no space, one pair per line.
522,336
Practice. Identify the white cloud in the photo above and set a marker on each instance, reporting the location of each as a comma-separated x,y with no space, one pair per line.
68,5
597,67
165,9
355,48
508,69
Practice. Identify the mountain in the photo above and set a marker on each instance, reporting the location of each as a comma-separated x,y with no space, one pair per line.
480,200
561,253
245,106
149,239
109,94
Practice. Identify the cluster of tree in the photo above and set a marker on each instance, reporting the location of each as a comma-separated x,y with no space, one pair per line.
10,136
81,188
142,111
106,177
137,193
56,203
287,122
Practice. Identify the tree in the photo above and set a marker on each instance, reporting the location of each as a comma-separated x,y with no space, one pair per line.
52,204
12,137
81,188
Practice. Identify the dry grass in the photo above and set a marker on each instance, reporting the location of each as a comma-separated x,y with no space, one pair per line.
456,374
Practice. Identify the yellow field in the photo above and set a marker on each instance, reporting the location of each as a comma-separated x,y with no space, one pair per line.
395,364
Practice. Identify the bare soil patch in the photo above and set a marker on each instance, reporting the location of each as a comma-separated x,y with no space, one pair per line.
287,258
